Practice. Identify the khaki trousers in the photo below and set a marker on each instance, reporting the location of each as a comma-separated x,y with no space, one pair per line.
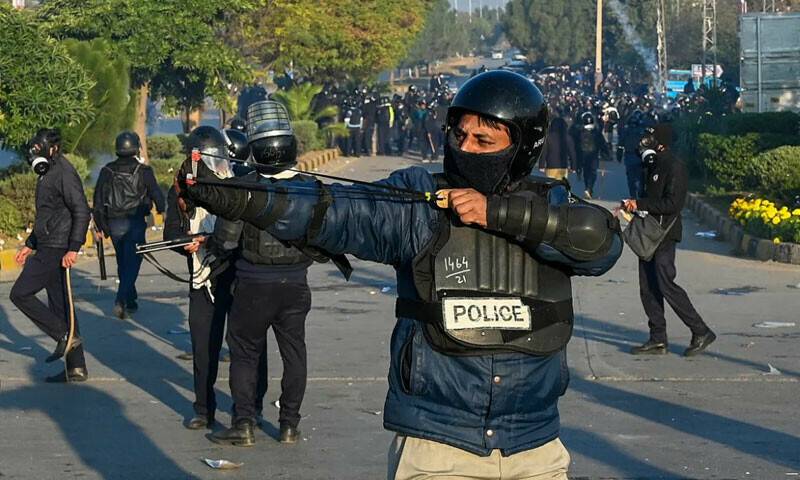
557,173
417,459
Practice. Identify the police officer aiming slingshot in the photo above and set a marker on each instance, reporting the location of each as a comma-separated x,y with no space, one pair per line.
484,308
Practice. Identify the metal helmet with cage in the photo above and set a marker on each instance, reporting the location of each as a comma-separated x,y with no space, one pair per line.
270,134
512,100
210,145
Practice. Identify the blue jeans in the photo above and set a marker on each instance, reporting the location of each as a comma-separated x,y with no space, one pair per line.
125,234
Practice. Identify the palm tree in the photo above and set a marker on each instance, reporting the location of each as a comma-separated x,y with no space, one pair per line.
299,103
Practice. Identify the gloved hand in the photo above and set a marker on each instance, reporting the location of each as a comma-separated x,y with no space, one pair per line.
226,202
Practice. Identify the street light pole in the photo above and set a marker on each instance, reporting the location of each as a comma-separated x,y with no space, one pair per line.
598,50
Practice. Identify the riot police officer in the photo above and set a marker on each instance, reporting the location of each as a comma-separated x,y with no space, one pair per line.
271,291
467,344
385,120
591,146
211,272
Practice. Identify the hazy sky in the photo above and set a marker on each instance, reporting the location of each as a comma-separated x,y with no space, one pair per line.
463,5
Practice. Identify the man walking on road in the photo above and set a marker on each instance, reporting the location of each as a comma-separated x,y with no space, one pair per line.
125,192
59,230
665,188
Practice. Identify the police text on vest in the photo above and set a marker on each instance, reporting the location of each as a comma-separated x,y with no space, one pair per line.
503,313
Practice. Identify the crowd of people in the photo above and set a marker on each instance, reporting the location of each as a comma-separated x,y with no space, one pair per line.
391,125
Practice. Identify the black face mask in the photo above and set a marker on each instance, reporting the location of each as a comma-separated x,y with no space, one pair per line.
485,172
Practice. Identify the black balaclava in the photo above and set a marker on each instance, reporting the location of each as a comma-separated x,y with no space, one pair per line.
485,172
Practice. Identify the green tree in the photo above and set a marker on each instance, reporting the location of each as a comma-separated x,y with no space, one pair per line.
443,35
165,41
40,84
334,39
299,103
110,97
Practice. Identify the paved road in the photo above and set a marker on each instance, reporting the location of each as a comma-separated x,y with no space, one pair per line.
717,416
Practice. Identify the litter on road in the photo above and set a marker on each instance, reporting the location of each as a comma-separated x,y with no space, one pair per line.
774,324
177,331
222,464
709,234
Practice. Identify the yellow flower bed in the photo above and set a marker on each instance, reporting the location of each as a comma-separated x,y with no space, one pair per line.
764,218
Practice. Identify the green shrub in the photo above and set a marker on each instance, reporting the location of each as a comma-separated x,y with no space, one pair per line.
308,137
164,146
730,160
165,170
11,221
81,164
786,123
779,172
770,141
20,190
774,128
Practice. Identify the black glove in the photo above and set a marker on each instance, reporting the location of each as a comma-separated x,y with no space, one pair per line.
226,202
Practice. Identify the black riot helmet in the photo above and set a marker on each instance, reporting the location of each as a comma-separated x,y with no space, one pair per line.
238,148
238,124
210,144
513,100
39,155
271,137
127,144
587,119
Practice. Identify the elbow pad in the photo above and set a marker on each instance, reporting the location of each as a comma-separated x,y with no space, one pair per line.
226,234
524,217
585,231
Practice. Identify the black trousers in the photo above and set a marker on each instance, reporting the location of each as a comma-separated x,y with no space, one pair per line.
256,307
656,283
353,148
207,327
43,271
384,139
366,140
400,140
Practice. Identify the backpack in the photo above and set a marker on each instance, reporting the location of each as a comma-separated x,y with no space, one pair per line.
124,193
587,143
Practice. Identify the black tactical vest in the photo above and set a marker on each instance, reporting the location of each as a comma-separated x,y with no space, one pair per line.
483,293
261,248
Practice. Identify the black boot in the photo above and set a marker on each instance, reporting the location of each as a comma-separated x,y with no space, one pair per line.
241,434
119,311
61,347
699,343
289,434
77,374
651,347
199,422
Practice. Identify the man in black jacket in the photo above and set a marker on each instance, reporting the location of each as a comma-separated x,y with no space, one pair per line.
665,188
559,157
125,192
59,230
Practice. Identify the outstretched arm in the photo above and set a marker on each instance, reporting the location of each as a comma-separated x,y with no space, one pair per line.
358,220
